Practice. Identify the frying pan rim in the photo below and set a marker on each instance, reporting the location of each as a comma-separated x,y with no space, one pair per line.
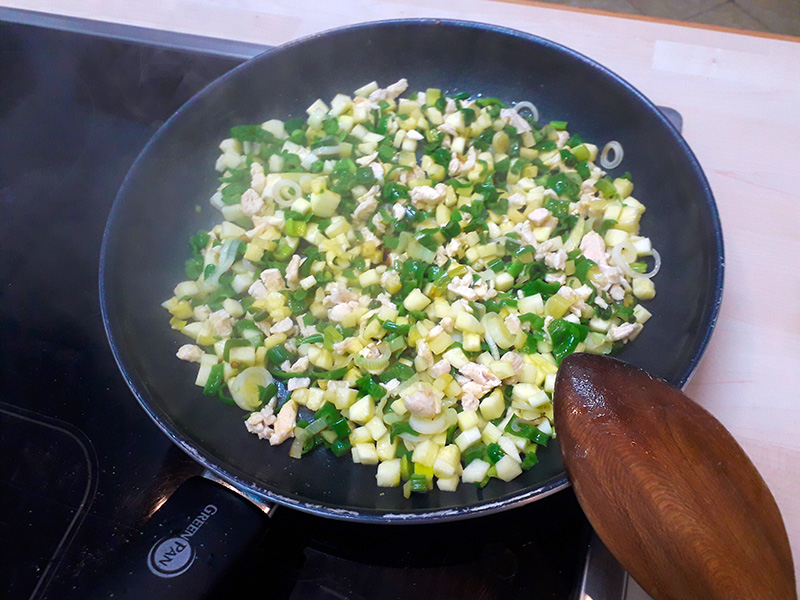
550,486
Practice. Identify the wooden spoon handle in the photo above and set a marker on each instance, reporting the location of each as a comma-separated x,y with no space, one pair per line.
667,488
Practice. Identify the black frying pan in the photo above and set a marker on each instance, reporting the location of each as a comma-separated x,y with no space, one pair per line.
145,243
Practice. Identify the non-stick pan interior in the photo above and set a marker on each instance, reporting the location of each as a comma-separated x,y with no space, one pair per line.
157,210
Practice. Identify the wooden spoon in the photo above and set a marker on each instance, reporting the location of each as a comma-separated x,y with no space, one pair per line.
667,488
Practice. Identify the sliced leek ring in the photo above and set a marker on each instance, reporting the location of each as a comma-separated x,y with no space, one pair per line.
244,387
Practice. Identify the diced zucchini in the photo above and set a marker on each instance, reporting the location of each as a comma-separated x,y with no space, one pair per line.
388,474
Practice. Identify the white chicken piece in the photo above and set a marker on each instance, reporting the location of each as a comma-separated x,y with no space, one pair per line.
462,286
341,347
517,363
524,231
567,293
379,223
617,292
284,326
480,374
448,324
335,384
583,292
476,381
202,312
424,353
556,260
300,365
513,118
594,248
450,106
370,351
251,202
435,332
365,160
471,393
624,331
298,383
448,129
539,216
517,200
273,280
513,324
391,385
337,293
293,271
390,92
358,101
398,211
452,247
190,353
377,170
407,175
385,299
551,194
261,227
221,323
258,290
587,187
263,326
613,275
423,402
340,312
425,196
460,305
260,422
284,423
462,167
582,206
369,236
547,246
258,179
469,290
415,135
271,220
556,278
562,139
367,203
440,368
341,301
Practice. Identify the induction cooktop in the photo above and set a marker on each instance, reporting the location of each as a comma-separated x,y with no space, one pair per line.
82,465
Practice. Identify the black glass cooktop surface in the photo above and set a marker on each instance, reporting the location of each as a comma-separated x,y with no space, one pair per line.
81,465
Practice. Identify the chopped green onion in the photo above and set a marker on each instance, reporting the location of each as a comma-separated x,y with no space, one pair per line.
278,355
316,338
233,343
392,326
494,453
215,379
399,428
419,483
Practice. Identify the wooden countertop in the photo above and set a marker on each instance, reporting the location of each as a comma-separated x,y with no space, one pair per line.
739,94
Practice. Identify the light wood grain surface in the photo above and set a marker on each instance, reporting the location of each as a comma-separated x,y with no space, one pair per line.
739,95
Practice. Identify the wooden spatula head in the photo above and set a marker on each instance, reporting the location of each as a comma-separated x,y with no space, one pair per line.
667,488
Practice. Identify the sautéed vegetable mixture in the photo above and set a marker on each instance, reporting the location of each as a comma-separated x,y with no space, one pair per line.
413,270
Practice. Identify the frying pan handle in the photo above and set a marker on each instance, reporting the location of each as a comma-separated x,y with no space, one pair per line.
187,546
